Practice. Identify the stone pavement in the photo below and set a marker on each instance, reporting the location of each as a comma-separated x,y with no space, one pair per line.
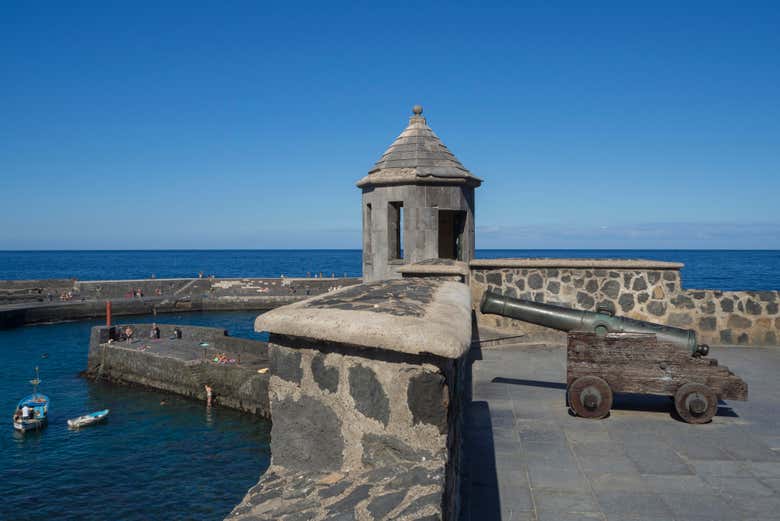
527,459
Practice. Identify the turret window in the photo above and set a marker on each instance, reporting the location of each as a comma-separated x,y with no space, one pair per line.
395,227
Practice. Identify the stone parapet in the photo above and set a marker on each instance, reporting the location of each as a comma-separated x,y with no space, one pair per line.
446,269
552,262
368,382
640,289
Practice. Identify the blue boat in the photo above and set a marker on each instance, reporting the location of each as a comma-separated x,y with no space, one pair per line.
32,411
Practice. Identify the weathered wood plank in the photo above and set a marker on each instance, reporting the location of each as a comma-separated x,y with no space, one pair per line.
638,363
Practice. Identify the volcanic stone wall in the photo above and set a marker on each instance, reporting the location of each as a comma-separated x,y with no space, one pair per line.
374,430
644,290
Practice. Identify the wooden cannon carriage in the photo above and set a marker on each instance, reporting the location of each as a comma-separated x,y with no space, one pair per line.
598,366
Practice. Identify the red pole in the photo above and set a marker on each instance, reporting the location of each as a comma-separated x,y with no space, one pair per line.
108,313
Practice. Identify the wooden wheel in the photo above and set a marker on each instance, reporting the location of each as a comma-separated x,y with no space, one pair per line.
590,397
695,403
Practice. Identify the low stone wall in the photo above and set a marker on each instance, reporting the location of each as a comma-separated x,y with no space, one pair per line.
640,289
366,395
184,366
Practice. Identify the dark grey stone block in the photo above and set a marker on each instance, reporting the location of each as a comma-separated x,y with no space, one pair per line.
380,451
626,302
421,503
753,307
370,398
415,476
380,506
682,301
428,401
285,363
298,431
335,489
585,300
657,308
611,288
349,503
708,323
494,278
327,378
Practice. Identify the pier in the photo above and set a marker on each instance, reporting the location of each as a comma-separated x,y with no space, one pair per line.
58,300
184,363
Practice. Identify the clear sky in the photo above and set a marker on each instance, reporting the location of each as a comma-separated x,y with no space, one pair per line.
246,124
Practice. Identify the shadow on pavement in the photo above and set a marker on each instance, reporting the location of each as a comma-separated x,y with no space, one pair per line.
479,479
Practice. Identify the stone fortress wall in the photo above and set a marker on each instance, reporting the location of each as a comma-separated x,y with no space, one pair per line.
640,289
366,393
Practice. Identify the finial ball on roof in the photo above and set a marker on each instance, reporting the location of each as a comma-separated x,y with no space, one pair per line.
417,109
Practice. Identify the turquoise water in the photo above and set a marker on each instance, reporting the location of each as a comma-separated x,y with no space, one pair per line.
149,461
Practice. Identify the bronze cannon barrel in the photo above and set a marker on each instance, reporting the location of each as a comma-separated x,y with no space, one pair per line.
600,322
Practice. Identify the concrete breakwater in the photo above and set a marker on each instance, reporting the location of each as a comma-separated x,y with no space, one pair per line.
54,300
184,365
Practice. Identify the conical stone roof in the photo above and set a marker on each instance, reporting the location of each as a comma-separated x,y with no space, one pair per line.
418,155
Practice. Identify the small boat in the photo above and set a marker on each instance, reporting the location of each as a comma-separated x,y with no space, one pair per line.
32,411
88,419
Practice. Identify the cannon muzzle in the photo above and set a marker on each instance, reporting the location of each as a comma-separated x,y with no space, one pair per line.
600,322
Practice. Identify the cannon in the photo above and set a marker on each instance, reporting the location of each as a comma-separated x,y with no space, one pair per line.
608,354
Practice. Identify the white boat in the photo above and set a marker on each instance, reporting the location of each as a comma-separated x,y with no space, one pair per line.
88,419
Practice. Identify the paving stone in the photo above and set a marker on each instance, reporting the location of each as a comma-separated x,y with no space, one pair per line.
658,460
631,482
607,464
739,486
769,469
709,507
616,504
676,484
568,479
571,516
552,501
723,468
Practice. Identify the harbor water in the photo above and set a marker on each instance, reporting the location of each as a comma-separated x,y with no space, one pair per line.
158,456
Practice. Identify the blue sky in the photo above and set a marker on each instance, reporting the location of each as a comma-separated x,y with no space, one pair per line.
246,125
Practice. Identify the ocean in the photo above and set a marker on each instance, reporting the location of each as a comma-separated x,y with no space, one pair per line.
704,269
